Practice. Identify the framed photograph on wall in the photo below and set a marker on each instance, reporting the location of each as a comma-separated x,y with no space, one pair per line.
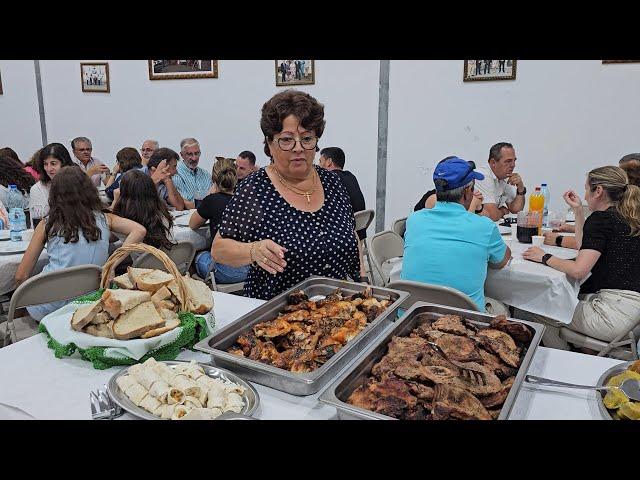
295,72
620,61
0,84
477,70
181,69
95,77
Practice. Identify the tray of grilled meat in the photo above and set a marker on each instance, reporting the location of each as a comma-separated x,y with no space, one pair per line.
438,363
298,341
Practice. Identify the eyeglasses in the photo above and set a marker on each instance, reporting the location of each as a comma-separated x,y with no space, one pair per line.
84,149
287,143
192,154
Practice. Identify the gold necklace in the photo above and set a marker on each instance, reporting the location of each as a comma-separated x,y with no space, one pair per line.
299,191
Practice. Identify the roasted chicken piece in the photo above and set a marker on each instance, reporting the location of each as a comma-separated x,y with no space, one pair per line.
453,402
295,316
297,297
518,331
236,351
264,352
273,328
247,341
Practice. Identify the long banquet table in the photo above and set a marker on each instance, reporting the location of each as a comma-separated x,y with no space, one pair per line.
34,384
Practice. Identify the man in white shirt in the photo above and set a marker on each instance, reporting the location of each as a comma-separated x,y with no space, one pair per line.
97,170
503,191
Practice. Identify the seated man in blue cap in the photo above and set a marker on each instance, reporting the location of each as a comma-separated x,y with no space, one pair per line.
450,246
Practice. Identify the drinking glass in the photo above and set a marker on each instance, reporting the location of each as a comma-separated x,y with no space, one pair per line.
555,220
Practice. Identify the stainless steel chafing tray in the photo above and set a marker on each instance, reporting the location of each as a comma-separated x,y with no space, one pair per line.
284,380
339,391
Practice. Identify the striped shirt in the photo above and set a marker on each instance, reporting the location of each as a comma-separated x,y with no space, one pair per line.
192,183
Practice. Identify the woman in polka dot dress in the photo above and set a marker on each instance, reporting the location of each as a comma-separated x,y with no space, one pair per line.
292,219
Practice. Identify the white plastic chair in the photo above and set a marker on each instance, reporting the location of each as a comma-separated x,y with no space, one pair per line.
49,287
383,247
438,294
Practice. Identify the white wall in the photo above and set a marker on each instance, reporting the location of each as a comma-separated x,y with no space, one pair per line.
223,113
563,117
19,117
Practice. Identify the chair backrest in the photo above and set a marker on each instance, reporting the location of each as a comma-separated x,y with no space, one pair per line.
181,253
384,246
54,286
426,292
399,226
364,219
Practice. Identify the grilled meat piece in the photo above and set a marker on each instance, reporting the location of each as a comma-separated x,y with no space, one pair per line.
394,397
295,316
366,293
518,331
273,328
497,366
297,297
422,392
501,344
364,398
264,352
458,348
450,324
247,341
453,402
498,398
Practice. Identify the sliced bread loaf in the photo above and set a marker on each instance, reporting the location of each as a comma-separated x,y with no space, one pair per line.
137,321
123,281
116,302
100,330
134,273
153,281
85,314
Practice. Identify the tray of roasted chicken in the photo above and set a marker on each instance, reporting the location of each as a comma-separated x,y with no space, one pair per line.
298,341
438,363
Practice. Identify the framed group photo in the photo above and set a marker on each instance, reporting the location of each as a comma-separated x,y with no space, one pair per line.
182,69
95,77
295,72
478,70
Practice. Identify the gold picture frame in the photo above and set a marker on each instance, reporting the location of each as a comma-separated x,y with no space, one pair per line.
295,72
182,69
94,77
484,70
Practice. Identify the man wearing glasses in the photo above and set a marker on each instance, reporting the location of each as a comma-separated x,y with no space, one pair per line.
450,246
503,191
148,146
82,148
191,181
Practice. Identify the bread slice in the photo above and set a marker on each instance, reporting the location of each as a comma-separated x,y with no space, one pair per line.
123,281
101,330
171,322
162,294
134,273
116,302
153,281
200,296
101,317
85,314
137,321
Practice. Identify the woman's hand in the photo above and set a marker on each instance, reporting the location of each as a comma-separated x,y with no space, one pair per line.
566,227
534,254
268,255
572,199
550,238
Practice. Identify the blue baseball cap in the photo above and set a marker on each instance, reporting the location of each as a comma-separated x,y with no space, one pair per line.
455,172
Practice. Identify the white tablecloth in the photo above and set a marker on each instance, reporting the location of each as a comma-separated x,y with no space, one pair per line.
35,384
9,265
528,285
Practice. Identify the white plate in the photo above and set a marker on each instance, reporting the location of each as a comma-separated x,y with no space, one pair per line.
13,247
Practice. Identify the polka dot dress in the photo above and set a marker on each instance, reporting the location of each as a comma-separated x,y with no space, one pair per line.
318,243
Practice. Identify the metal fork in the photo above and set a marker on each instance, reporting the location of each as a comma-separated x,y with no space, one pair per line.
102,406
468,373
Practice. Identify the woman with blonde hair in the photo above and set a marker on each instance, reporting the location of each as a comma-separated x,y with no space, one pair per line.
609,254
224,178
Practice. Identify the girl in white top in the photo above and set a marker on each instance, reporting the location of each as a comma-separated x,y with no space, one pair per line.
76,231
51,159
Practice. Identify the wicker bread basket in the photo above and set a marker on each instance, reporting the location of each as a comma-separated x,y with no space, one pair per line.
171,267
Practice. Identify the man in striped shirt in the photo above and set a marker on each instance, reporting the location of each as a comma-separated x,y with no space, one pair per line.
192,182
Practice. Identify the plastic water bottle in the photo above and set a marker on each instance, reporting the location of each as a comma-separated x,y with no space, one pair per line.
545,211
17,218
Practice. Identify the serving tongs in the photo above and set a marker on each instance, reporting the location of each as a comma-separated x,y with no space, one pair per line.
630,387
468,373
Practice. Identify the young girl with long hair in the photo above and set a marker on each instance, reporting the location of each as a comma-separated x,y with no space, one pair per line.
12,173
609,254
139,201
76,232
48,163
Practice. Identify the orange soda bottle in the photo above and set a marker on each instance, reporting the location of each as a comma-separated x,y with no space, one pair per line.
536,204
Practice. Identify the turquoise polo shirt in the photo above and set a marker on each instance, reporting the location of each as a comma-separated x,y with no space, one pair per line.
448,246
192,183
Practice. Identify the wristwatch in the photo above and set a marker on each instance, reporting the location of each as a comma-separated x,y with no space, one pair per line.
524,192
481,208
546,257
559,240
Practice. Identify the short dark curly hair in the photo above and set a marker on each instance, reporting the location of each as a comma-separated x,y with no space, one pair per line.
307,109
